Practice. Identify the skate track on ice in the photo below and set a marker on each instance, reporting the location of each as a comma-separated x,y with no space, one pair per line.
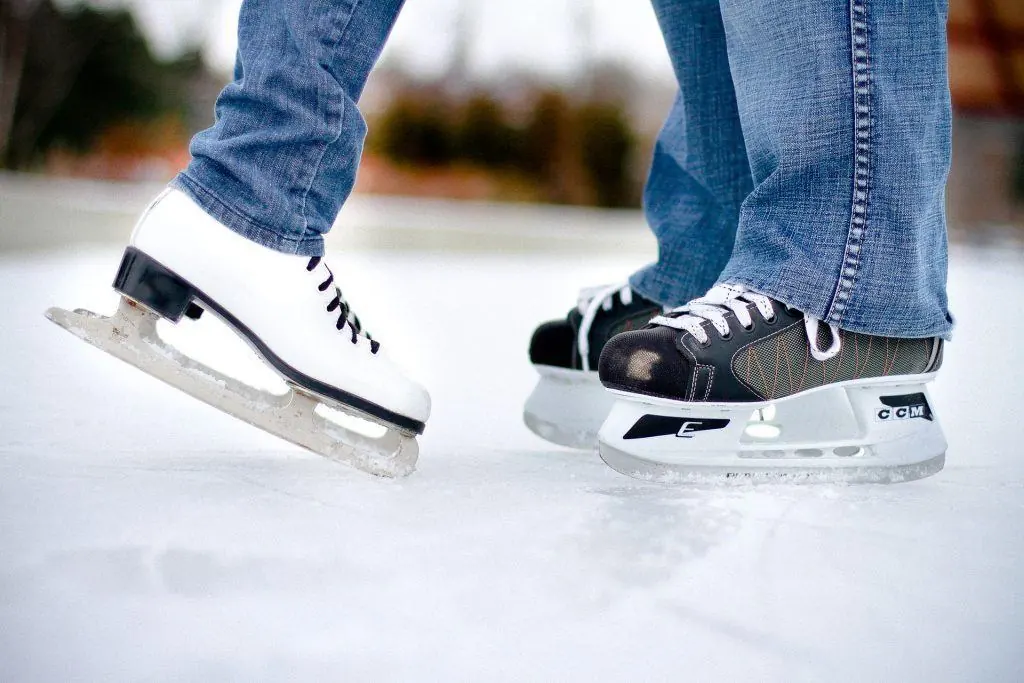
146,536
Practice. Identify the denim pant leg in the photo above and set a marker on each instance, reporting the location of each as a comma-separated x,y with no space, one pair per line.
699,175
846,117
282,156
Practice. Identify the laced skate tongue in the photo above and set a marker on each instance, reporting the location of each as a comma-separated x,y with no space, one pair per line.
592,300
346,316
713,307
603,296
723,295
720,294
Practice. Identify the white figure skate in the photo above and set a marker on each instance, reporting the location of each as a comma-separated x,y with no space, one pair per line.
182,262
569,404
736,385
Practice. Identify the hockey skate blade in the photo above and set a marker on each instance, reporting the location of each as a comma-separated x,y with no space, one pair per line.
131,335
567,407
864,431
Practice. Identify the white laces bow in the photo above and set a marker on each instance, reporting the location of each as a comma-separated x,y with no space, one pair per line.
591,300
722,299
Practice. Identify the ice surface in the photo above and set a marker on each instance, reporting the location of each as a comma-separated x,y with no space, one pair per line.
143,535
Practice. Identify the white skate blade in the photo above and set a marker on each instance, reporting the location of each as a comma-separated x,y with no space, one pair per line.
879,430
131,335
567,407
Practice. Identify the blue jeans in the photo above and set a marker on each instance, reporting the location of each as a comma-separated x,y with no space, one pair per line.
281,158
805,156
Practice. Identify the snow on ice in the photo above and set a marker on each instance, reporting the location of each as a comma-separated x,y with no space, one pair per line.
145,536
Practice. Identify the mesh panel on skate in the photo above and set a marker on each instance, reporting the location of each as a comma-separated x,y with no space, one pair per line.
781,365
646,362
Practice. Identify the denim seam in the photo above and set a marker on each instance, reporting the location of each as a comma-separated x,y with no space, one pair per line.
341,126
861,73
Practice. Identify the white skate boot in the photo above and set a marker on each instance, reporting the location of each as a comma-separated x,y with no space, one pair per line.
569,404
181,262
736,385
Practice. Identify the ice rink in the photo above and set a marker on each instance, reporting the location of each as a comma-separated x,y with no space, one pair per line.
144,536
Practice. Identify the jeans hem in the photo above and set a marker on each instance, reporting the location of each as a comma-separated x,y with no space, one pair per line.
777,290
238,222
640,282
665,289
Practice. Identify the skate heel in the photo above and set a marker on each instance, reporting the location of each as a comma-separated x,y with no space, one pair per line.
143,280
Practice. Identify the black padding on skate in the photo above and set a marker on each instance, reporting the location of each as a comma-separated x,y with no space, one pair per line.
767,361
668,425
149,282
554,342
142,279
650,362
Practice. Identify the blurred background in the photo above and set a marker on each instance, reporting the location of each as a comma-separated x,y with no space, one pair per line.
470,109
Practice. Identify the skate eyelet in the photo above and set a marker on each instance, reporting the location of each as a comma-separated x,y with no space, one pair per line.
748,330
727,336
772,320
703,344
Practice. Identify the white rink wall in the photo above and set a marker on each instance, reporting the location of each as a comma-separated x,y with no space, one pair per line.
146,536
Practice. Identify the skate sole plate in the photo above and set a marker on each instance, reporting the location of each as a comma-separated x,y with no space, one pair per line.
130,334
741,473
878,430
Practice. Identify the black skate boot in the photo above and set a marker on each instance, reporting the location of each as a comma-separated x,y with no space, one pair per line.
736,384
569,404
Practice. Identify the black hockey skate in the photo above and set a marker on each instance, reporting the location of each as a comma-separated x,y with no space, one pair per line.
736,384
569,404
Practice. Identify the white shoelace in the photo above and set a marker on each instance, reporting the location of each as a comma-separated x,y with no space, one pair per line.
591,300
721,299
